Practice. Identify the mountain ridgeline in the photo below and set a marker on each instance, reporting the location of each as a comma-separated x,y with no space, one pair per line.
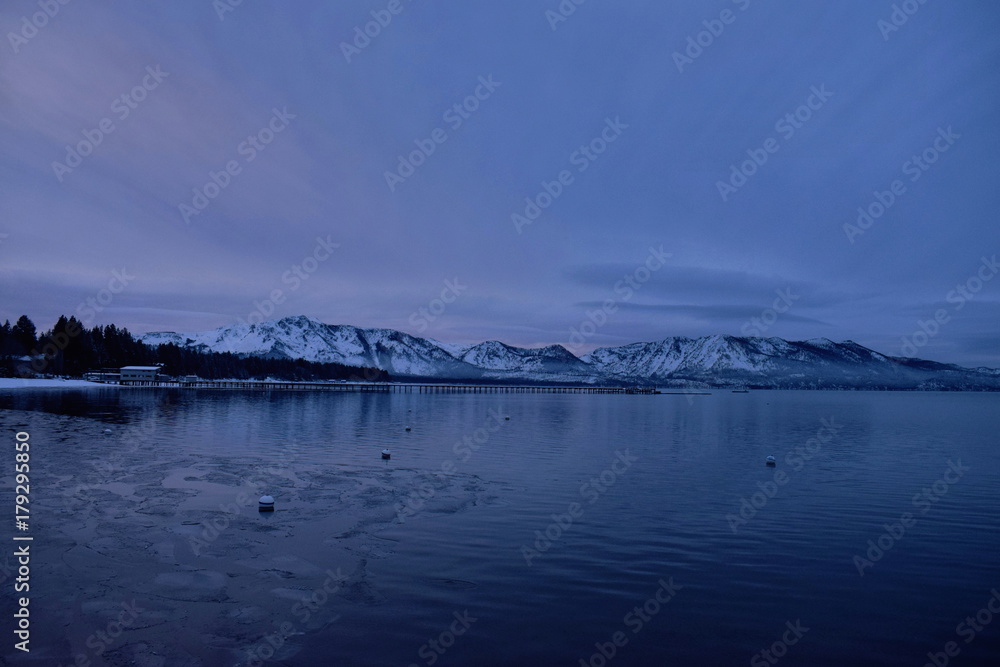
678,362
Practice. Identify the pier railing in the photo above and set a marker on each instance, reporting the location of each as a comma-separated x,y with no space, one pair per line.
390,387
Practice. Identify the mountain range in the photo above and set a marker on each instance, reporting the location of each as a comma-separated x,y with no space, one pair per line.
679,362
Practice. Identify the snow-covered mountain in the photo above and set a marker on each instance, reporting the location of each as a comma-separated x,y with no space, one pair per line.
729,355
709,361
305,338
502,361
818,362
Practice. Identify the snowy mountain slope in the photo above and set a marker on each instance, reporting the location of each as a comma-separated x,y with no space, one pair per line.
496,356
774,362
676,361
686,355
305,338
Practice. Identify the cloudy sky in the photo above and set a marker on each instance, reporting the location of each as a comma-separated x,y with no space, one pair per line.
628,171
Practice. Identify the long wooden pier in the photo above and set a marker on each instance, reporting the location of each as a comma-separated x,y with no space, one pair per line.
392,387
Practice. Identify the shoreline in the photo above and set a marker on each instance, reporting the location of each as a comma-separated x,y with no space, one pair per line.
35,383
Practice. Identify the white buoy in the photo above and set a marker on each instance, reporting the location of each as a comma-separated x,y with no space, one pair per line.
770,461
266,504
386,454
107,431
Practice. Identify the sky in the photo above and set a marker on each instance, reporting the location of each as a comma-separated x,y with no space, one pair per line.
535,172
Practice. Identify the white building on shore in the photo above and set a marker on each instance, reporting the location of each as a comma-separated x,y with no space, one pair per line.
138,374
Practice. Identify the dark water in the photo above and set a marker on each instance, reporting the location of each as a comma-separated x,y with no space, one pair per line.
640,496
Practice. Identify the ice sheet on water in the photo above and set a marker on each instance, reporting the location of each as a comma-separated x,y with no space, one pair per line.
179,534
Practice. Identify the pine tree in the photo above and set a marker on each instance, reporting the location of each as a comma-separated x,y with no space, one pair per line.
54,343
5,339
24,334
79,351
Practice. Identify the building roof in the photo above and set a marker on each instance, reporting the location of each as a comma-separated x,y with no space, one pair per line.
140,368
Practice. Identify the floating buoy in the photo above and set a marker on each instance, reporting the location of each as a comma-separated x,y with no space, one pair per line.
507,418
266,504
407,428
386,454
107,431
770,461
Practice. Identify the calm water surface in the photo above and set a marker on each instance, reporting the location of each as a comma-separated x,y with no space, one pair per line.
547,532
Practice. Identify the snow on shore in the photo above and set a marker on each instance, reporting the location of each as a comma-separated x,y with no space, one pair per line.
23,383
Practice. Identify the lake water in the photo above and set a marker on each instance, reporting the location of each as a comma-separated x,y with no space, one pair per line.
581,525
